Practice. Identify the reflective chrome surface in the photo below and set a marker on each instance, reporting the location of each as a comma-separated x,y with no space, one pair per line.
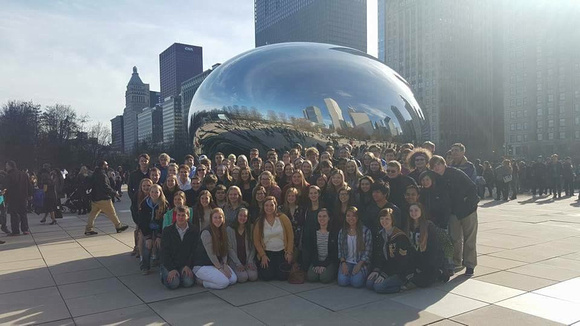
278,95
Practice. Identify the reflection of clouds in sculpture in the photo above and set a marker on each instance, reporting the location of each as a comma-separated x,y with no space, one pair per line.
268,92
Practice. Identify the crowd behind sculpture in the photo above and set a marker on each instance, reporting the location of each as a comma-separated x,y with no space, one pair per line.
381,217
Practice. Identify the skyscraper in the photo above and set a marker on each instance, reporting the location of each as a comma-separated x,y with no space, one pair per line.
313,114
178,63
444,49
188,89
150,125
117,133
335,114
340,22
542,78
173,130
137,97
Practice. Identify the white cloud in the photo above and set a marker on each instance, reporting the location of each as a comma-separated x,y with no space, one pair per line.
81,52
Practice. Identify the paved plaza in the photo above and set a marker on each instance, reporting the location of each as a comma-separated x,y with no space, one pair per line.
528,274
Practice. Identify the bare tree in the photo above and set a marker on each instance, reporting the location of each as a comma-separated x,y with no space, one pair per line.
101,132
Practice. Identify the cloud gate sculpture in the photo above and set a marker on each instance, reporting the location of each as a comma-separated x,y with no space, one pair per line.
309,93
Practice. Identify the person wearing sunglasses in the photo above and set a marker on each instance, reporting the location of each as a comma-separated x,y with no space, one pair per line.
398,183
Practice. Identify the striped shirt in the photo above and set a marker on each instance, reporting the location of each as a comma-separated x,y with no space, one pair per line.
322,245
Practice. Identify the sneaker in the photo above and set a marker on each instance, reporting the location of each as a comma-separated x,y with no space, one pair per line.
26,232
91,233
469,271
122,228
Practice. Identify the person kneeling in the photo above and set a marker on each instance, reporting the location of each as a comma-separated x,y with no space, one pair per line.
241,251
325,251
390,257
177,251
211,258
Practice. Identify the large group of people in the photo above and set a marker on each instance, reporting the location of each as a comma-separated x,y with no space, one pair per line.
381,217
387,218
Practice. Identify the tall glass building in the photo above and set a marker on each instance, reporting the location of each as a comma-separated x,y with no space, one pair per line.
446,51
178,63
340,22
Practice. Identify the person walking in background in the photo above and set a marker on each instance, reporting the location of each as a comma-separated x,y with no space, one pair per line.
48,184
3,221
503,178
489,177
18,191
568,175
555,176
101,200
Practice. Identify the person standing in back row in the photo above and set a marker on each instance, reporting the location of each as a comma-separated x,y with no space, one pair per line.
463,220
101,200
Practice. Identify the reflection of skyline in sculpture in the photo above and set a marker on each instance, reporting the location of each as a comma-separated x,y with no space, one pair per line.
313,114
276,95
335,113
361,120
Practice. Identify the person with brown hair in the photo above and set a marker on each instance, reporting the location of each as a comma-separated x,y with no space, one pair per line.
211,257
324,248
233,203
298,182
241,250
177,251
428,259
392,253
203,209
171,215
274,242
151,212
354,250
170,187
246,183
266,179
295,213
418,161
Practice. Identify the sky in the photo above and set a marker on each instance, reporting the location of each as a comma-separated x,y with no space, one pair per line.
81,52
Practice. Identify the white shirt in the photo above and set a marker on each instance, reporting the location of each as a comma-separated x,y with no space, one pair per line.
182,231
351,254
184,185
274,235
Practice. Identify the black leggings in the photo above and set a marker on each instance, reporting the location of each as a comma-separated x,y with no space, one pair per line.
273,270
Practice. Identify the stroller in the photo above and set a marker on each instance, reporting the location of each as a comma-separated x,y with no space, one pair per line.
73,203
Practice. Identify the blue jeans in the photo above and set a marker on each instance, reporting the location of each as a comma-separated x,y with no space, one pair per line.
181,279
391,284
357,280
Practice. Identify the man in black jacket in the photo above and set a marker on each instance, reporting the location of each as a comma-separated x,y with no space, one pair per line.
463,220
101,196
18,191
177,250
